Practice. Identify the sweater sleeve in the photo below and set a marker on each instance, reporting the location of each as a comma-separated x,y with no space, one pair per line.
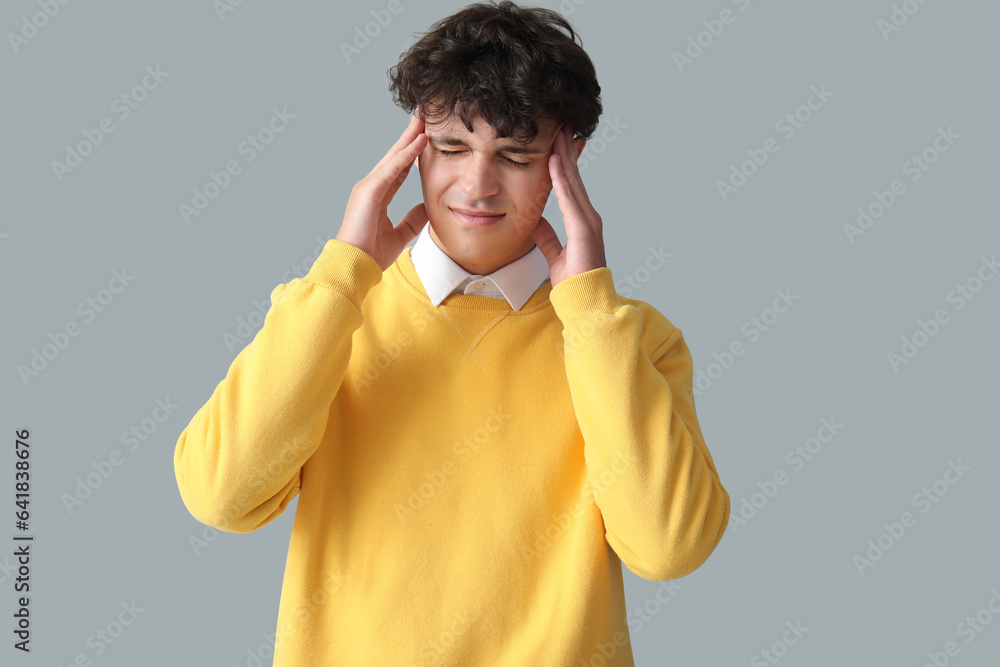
238,462
651,474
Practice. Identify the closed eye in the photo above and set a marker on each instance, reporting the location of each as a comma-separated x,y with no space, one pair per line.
514,162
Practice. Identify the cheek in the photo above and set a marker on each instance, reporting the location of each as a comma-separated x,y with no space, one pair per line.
543,175
433,169
427,169
434,182
532,199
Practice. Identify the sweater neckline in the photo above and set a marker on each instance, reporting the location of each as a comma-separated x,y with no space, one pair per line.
404,271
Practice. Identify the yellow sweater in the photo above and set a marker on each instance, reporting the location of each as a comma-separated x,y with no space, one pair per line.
470,477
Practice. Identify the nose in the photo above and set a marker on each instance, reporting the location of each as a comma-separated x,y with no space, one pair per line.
479,178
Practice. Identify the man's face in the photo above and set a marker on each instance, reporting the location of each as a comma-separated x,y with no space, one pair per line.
475,171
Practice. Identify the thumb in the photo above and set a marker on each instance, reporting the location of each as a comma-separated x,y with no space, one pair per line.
411,224
546,239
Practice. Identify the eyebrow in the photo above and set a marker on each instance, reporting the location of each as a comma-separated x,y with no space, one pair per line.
450,140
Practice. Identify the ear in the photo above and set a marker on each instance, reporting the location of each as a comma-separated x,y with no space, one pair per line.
417,162
578,145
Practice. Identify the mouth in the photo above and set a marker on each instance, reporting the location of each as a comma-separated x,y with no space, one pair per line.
476,218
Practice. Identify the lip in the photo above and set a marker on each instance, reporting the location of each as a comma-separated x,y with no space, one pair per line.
476,218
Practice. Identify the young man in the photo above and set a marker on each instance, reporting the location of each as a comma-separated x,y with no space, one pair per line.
479,429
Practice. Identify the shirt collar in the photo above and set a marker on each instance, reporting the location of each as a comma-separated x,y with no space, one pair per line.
440,275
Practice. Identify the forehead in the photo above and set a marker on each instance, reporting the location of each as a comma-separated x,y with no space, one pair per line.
451,131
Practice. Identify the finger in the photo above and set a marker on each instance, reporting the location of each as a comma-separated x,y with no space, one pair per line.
571,171
555,137
573,201
564,195
383,178
411,224
397,183
415,127
546,239
407,166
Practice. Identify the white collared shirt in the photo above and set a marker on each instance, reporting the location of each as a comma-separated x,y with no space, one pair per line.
441,276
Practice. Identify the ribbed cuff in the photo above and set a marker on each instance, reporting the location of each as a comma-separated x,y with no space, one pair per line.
585,294
347,269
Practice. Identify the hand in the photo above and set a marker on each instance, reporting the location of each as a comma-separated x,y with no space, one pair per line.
584,249
366,224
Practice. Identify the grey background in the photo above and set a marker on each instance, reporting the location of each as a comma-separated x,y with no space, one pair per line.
654,185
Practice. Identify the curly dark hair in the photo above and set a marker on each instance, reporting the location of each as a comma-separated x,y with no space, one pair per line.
510,65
